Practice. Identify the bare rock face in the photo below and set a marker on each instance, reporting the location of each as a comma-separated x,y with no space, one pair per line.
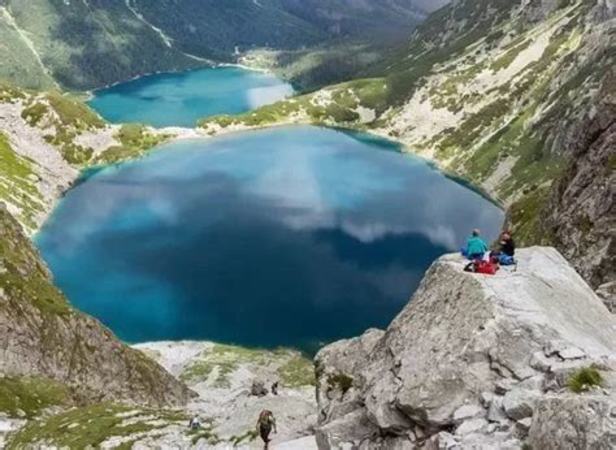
574,422
469,361
607,293
581,211
40,334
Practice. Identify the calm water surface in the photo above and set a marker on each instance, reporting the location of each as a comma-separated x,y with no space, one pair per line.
180,99
291,236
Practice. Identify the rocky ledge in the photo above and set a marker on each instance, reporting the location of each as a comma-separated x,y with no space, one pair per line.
522,359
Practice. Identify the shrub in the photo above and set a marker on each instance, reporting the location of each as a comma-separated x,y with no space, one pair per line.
583,379
340,381
33,114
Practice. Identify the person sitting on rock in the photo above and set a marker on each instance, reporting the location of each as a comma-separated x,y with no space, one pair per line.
265,424
507,244
506,250
476,248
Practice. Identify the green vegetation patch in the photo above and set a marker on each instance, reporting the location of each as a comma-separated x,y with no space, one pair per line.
525,216
225,359
17,183
74,113
297,372
205,432
135,140
370,93
293,369
34,113
24,280
10,94
584,379
90,426
337,106
463,137
68,118
28,396
340,381
509,57
248,436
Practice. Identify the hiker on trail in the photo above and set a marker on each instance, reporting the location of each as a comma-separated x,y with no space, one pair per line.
265,425
275,388
506,244
476,248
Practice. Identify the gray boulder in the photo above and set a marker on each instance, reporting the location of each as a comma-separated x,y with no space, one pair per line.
572,422
519,403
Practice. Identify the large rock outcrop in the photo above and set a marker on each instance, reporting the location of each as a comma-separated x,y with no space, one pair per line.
40,334
476,360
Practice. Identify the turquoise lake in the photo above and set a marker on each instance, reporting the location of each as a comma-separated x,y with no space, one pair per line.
180,99
292,236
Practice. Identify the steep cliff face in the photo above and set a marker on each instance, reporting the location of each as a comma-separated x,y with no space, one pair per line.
580,214
477,360
41,335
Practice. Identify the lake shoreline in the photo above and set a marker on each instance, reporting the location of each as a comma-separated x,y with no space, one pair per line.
293,174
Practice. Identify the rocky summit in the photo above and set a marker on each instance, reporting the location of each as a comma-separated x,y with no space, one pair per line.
525,357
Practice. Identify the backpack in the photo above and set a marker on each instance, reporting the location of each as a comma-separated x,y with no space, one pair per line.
506,260
266,418
484,267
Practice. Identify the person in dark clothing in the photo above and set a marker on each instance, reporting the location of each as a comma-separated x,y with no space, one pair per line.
265,425
507,244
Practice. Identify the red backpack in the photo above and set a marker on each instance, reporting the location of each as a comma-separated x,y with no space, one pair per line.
485,267
480,266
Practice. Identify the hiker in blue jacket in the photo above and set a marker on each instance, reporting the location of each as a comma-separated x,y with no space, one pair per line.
476,248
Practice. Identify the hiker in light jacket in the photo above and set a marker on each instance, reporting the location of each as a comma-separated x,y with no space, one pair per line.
476,248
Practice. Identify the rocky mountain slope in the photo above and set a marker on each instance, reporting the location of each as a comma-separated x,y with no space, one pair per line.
43,336
47,137
527,356
222,378
579,216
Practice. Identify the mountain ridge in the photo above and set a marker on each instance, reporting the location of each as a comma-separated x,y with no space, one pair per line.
85,45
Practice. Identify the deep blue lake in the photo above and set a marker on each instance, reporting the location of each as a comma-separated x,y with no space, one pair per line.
180,99
291,236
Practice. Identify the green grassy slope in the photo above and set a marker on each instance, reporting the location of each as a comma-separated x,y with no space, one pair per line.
91,44
18,63
210,28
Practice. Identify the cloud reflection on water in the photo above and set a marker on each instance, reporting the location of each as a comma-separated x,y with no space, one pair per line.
309,229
